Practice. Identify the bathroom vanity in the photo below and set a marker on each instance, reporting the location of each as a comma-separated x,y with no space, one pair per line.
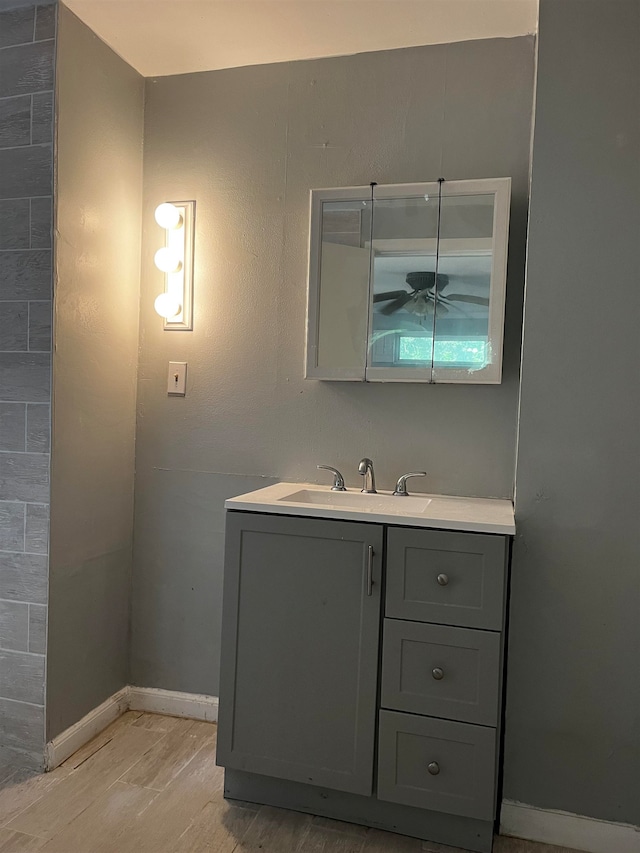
362,659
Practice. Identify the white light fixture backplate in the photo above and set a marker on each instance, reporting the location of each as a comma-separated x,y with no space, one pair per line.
180,284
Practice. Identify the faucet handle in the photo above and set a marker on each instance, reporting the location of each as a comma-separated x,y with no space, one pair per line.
338,479
401,485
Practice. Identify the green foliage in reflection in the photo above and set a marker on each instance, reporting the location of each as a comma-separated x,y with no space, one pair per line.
452,351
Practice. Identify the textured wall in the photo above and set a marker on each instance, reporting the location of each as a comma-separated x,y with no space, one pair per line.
248,144
97,261
573,711
27,47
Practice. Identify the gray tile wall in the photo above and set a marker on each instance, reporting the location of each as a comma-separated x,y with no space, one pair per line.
27,50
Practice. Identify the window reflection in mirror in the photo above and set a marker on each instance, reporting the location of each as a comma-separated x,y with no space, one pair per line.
402,316
464,282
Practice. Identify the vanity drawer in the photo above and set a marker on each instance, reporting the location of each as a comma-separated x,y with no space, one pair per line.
446,577
441,671
437,764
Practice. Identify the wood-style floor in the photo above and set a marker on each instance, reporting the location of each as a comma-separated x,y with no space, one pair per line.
149,784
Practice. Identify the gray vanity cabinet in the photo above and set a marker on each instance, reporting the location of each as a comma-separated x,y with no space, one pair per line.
333,704
301,631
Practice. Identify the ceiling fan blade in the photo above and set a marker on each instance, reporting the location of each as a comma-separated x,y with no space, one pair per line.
442,281
390,294
464,297
471,276
397,304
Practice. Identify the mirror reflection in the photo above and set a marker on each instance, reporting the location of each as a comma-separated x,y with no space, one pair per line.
344,284
464,282
403,277
407,282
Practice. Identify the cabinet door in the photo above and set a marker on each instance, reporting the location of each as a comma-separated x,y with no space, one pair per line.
472,273
300,638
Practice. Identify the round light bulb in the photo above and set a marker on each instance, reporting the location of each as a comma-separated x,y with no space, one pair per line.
168,215
167,261
167,306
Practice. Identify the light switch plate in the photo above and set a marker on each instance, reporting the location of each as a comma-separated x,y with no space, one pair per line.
177,379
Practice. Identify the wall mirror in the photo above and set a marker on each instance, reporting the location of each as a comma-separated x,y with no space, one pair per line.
407,282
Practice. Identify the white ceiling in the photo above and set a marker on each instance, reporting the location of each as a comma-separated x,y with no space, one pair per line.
160,37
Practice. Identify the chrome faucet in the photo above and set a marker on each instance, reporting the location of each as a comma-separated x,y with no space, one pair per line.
365,467
401,485
338,479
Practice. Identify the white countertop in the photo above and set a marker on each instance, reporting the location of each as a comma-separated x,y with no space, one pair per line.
480,515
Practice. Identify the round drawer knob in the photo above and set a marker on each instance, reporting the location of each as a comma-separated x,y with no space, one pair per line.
437,673
443,580
433,768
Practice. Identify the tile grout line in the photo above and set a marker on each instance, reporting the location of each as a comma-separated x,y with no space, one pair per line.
20,147
21,702
31,655
26,44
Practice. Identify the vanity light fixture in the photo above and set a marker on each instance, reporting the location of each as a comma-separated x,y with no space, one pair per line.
175,260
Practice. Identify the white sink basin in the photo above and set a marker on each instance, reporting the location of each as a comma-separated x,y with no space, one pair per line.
360,501
482,515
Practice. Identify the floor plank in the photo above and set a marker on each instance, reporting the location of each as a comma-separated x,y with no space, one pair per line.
319,839
174,809
432,847
217,828
203,730
157,723
18,842
49,815
340,826
165,759
105,821
275,830
505,844
377,841
85,752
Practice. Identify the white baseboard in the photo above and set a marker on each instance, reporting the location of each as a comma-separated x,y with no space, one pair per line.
70,741
568,830
193,706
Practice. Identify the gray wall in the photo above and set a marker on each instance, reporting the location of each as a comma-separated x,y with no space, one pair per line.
572,734
98,204
27,46
248,144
